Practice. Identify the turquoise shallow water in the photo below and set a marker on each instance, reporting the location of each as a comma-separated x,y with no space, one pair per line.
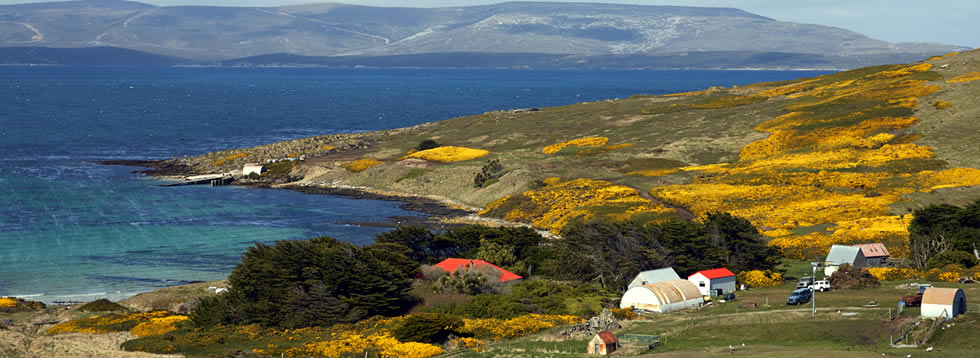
74,230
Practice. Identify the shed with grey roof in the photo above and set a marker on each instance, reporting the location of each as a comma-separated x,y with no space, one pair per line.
841,254
654,276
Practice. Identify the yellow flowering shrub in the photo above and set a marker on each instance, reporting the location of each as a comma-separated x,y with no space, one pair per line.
498,329
345,343
447,154
654,172
976,275
624,313
922,67
7,302
106,323
157,326
326,148
361,165
411,350
941,104
229,158
966,77
933,58
760,278
558,204
894,274
581,142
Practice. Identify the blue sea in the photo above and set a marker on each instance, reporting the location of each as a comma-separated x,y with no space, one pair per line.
73,230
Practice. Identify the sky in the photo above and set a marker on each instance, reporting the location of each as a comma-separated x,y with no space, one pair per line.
954,22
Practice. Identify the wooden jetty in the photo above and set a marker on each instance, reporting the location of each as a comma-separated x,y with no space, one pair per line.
213,179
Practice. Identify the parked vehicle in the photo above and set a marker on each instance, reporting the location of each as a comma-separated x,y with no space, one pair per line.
799,296
729,296
805,282
821,286
916,299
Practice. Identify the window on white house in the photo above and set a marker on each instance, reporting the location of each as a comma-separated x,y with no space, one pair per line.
702,283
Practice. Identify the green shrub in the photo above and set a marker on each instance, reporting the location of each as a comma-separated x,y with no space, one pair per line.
102,305
961,258
428,328
426,145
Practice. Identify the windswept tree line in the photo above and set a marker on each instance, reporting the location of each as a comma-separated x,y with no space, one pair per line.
325,281
941,235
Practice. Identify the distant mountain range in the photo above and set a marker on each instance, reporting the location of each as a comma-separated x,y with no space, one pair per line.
517,33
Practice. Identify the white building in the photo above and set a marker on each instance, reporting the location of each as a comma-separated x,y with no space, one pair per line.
943,302
662,296
715,282
654,276
253,168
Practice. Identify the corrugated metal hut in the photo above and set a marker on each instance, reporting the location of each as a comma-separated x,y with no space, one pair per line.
841,254
943,302
603,343
253,168
875,255
714,282
662,297
654,276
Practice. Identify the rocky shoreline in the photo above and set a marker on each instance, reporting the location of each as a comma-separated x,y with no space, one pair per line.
438,215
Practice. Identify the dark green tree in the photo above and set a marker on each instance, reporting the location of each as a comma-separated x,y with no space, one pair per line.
742,246
426,144
315,282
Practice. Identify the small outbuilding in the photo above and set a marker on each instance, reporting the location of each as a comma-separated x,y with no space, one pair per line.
253,168
943,302
714,282
662,297
654,276
451,265
603,343
875,255
842,254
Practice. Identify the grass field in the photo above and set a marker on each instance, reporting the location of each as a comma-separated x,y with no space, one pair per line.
776,330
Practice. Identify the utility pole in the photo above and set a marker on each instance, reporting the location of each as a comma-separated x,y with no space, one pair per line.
813,293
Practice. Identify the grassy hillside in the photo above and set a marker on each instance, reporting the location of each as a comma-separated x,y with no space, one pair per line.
839,158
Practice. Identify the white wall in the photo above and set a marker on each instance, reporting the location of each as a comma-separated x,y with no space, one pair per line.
641,298
726,284
934,310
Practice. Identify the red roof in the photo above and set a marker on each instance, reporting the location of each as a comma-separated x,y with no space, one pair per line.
451,265
714,273
607,337
873,250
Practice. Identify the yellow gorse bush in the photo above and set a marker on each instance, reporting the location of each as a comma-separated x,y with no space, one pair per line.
894,273
759,278
447,154
106,323
558,204
361,164
497,329
157,326
229,158
7,302
581,142
966,77
411,350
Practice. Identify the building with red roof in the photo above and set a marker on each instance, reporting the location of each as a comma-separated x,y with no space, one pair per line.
875,255
714,282
603,343
451,265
